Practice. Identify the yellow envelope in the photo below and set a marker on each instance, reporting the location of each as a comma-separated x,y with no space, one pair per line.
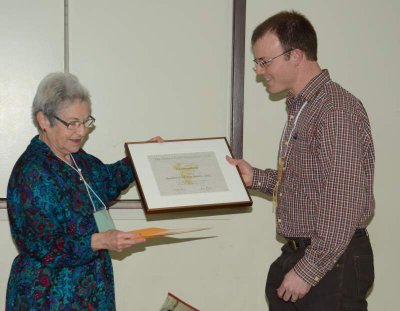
157,232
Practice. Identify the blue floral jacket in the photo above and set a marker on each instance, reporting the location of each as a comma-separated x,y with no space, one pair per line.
51,222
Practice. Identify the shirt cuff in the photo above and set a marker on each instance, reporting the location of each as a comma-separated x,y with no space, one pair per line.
308,272
259,181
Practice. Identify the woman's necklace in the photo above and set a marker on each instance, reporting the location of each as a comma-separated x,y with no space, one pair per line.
102,217
89,189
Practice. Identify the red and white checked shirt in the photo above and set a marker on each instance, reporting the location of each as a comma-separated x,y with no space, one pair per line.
326,192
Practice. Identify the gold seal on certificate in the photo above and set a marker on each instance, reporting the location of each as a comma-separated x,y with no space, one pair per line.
186,174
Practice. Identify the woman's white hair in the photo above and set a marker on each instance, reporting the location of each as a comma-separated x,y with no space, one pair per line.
55,92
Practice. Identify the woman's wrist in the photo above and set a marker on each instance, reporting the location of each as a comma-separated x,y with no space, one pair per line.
96,242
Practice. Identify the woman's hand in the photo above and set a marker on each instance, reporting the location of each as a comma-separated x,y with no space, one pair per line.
157,139
115,240
245,169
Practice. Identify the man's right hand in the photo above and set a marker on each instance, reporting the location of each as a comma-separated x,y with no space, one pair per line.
245,169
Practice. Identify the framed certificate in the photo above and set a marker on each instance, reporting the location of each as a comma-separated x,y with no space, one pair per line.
186,174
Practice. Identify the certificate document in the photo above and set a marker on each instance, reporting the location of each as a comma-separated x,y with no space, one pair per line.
185,174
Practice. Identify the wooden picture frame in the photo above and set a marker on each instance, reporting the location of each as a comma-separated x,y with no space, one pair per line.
186,174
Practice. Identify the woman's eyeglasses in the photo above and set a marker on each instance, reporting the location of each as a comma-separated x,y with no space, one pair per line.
74,125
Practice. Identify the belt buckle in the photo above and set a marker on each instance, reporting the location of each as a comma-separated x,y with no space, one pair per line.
292,244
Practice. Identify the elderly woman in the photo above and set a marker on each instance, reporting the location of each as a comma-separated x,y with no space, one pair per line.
57,206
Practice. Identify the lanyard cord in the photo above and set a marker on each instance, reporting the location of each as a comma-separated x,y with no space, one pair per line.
291,132
281,161
87,186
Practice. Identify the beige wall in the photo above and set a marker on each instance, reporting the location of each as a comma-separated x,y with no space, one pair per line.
31,46
358,43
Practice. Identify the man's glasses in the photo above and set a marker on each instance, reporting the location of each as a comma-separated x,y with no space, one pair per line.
74,125
263,62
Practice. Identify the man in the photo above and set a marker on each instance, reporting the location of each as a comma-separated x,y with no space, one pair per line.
323,187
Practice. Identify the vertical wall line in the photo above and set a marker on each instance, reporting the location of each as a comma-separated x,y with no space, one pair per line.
66,37
238,46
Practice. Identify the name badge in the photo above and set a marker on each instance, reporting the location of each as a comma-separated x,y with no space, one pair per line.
103,220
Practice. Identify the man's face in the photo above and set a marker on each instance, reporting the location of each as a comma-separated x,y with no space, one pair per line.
273,66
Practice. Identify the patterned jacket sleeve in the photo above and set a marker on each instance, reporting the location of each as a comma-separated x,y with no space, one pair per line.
120,175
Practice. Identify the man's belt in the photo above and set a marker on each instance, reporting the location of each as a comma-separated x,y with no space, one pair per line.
297,243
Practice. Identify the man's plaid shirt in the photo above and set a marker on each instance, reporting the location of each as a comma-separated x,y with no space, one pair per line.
327,187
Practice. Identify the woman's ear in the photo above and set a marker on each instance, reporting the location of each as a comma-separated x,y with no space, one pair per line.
43,121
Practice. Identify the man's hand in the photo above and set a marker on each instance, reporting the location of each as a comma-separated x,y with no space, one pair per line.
293,287
245,169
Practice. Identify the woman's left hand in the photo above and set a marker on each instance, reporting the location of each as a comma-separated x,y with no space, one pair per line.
157,139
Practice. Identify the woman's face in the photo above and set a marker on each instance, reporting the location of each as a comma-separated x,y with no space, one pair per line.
62,140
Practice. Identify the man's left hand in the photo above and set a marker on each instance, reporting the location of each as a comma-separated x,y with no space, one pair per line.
293,287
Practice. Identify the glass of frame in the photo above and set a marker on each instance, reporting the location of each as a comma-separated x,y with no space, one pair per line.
186,174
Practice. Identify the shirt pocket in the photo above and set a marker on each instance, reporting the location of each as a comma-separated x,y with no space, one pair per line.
299,157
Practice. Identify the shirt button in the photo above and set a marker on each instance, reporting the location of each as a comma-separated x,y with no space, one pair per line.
279,220
291,117
280,194
316,279
259,184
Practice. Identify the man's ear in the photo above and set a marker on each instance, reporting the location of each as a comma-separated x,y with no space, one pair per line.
43,121
297,56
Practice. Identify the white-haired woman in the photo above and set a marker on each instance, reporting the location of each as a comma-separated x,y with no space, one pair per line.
57,202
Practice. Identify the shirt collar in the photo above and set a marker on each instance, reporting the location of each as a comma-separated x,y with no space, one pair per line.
40,145
309,93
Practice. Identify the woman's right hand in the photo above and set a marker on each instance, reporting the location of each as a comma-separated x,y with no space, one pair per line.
115,240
